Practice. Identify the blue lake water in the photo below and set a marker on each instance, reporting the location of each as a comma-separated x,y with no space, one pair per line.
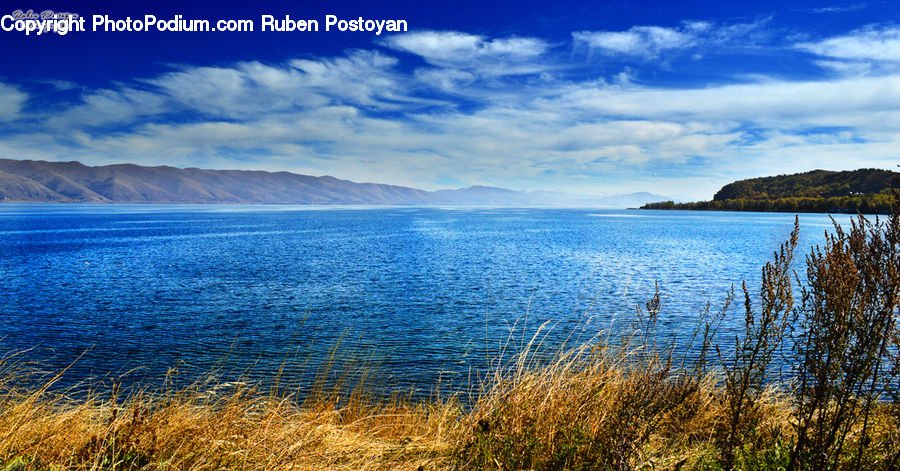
423,295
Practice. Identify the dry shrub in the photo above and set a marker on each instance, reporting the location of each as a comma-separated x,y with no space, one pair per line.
609,404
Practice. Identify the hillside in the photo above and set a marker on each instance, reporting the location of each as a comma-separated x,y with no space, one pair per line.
74,182
25,180
815,184
863,190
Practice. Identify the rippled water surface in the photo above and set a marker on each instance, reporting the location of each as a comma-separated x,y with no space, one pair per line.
422,294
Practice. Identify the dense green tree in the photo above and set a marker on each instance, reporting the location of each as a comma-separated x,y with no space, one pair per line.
865,191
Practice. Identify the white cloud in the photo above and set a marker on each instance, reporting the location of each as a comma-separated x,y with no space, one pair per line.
244,91
457,59
642,41
783,102
651,42
457,49
362,78
857,68
462,58
835,9
11,101
869,44
104,107
444,79
58,84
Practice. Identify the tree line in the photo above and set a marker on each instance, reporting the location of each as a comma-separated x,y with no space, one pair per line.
865,204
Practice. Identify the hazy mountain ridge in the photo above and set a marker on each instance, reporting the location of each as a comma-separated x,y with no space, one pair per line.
74,182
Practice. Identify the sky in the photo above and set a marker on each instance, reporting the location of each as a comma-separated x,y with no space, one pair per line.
598,97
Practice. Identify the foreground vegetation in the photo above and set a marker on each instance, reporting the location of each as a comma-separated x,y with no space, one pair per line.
625,400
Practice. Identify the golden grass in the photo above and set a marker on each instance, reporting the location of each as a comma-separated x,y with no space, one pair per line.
238,430
593,407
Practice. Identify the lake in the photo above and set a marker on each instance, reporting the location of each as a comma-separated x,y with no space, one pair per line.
425,296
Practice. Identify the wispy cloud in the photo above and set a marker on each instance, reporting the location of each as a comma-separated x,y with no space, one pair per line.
650,42
361,78
877,44
108,107
834,9
11,101
787,103
459,58
457,49
59,84
641,41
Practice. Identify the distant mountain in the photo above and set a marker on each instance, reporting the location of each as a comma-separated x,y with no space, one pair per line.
25,180
73,182
865,190
484,195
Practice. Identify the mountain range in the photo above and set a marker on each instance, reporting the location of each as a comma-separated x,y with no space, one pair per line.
74,182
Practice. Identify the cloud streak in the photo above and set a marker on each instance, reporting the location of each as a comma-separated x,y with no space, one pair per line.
463,50
652,42
876,44
11,101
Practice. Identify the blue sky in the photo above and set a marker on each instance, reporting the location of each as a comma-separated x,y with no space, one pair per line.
588,97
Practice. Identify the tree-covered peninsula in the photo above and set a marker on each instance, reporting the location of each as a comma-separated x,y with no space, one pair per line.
820,191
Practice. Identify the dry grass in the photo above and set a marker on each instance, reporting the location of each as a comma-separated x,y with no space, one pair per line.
616,402
598,406
623,404
595,406
229,426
